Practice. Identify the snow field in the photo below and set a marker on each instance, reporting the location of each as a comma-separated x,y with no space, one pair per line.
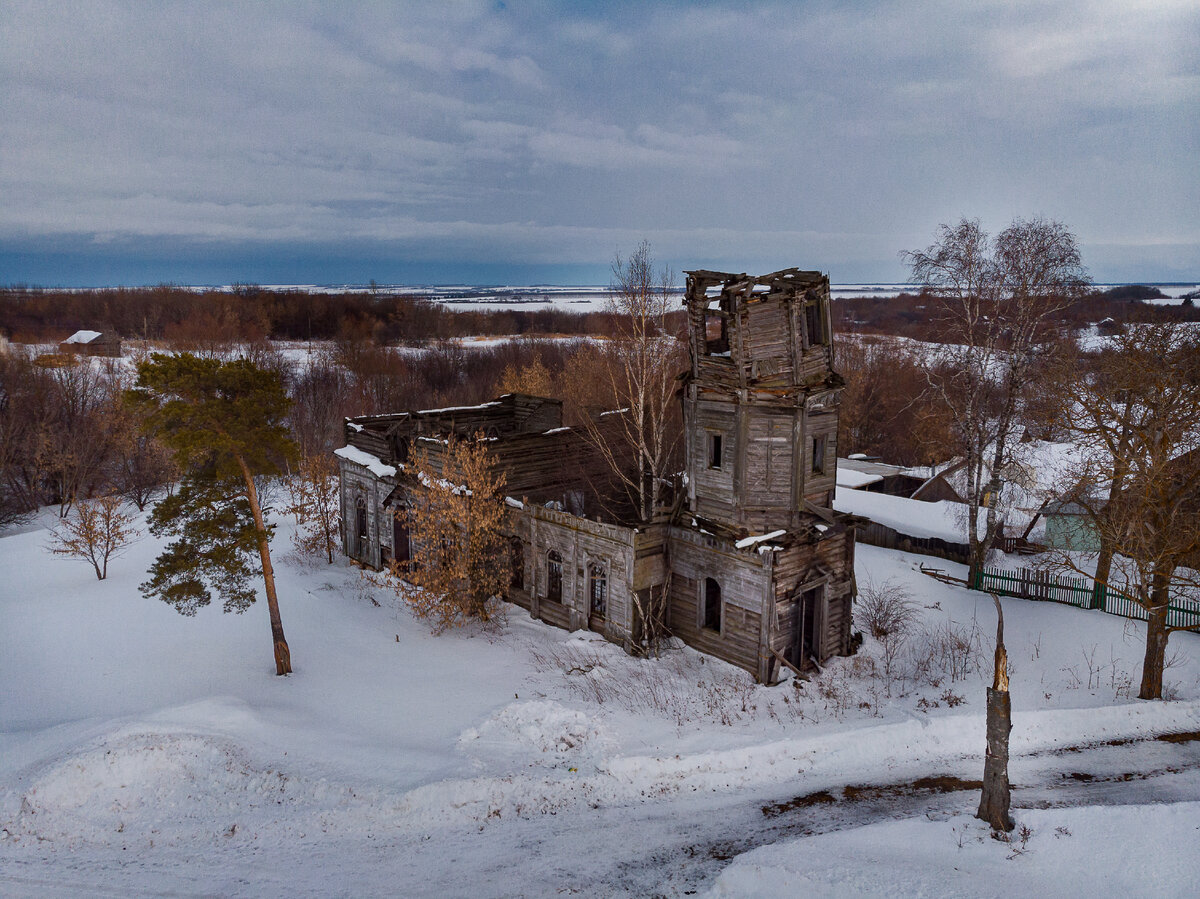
126,728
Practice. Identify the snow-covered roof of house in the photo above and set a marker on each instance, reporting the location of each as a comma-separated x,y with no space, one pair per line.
944,520
849,477
82,337
863,465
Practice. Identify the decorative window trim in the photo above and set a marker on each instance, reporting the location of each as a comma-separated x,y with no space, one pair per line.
597,573
554,579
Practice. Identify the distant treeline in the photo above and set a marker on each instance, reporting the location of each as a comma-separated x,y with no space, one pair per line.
249,313
914,314
29,315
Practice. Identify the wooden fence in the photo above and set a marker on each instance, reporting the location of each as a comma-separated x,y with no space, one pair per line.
1029,583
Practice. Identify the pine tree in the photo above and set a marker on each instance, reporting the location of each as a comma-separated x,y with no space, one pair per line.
216,540
225,423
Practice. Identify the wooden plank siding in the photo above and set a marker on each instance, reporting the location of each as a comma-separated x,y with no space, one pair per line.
762,383
743,577
580,543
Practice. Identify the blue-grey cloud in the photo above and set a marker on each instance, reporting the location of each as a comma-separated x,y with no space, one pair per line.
541,134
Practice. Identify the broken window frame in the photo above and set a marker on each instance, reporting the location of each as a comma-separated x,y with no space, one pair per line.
716,451
718,344
819,455
814,324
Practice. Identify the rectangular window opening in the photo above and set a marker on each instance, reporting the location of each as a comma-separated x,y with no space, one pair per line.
714,451
818,454
716,334
814,332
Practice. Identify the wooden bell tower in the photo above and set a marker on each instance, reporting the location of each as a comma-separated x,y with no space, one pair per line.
760,405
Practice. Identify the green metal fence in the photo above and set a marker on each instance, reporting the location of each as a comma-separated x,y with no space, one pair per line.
1030,583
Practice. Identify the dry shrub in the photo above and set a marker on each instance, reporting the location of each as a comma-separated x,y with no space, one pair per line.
885,610
947,651
680,685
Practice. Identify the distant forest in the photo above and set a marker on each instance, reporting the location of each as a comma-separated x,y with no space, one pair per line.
249,313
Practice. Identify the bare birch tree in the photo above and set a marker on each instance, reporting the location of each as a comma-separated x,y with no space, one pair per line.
996,300
640,438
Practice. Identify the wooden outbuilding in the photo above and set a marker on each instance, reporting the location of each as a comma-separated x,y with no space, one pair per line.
92,343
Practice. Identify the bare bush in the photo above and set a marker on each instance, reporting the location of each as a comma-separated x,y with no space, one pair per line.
947,651
95,531
885,609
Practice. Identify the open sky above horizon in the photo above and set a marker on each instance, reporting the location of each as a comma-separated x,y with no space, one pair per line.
528,142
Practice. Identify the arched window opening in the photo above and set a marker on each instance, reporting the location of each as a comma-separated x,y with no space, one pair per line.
360,527
516,555
712,605
553,576
598,589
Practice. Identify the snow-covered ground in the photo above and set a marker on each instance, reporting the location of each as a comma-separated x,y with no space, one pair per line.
142,752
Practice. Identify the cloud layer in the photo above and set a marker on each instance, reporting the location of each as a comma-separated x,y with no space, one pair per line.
548,134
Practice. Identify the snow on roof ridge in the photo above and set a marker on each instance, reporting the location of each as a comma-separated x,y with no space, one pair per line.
82,336
746,542
366,460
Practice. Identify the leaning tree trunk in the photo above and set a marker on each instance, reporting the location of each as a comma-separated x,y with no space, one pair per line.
283,656
1156,640
994,802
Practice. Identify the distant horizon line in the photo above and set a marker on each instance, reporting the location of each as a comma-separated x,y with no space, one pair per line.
377,285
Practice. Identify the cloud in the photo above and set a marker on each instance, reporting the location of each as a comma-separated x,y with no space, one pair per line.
521,131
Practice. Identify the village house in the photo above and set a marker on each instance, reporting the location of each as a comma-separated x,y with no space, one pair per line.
92,343
749,562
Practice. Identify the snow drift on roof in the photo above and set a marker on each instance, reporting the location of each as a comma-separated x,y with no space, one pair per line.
82,337
366,460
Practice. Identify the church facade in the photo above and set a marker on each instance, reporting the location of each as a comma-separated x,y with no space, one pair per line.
749,563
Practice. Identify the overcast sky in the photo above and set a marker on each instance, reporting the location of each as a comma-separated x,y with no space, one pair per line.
520,142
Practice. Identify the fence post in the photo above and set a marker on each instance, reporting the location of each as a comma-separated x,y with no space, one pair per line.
1098,591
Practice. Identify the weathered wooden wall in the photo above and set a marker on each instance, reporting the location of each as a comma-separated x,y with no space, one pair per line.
355,481
828,563
581,543
745,581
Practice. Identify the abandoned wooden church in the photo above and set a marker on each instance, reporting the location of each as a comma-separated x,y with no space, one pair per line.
749,562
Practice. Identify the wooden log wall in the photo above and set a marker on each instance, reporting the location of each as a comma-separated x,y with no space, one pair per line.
356,481
745,581
580,543
828,562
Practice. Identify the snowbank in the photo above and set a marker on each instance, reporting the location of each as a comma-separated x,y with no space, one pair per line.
1144,850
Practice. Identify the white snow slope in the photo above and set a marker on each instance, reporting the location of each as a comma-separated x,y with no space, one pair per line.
144,753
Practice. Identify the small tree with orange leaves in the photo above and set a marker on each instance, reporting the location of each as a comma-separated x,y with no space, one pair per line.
313,494
457,518
95,531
